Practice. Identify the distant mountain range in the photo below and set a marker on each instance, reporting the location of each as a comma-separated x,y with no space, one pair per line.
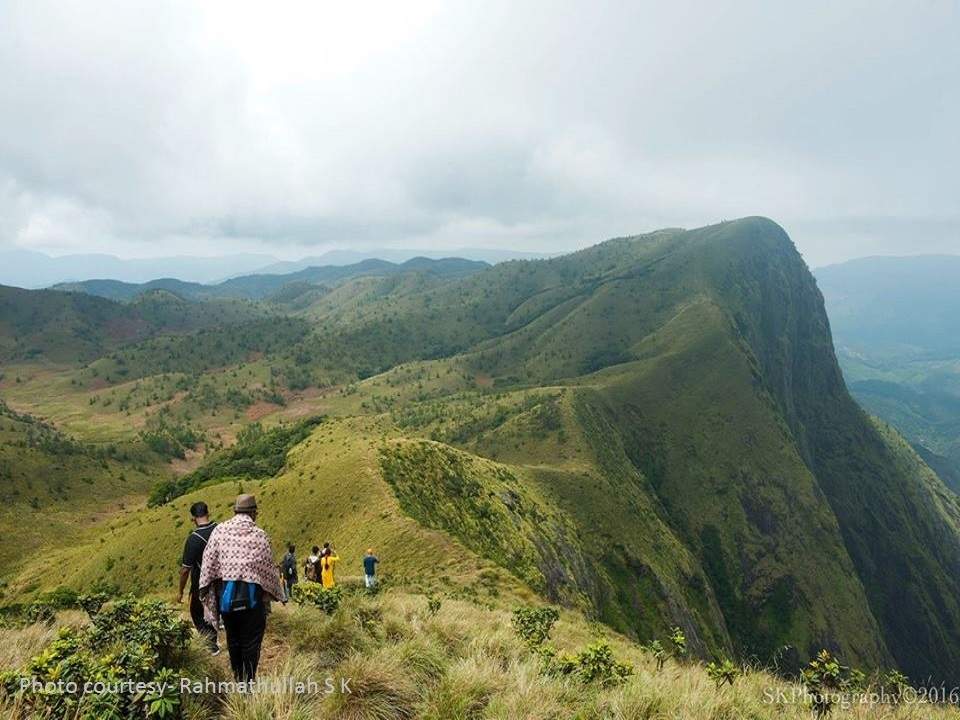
896,326
263,286
29,269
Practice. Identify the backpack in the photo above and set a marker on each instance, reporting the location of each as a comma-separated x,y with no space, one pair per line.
311,571
238,595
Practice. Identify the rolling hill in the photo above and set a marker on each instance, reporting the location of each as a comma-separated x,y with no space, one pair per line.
61,326
654,430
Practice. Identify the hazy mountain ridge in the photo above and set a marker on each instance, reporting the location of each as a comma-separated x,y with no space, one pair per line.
897,331
262,286
33,270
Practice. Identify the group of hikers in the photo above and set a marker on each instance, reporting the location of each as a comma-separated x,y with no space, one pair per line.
233,579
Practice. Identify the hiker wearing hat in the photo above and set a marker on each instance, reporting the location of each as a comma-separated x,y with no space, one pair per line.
190,569
238,579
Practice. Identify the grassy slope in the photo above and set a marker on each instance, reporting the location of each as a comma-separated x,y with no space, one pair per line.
465,661
330,490
53,489
63,327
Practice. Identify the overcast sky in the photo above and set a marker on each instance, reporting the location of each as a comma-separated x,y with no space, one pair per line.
156,128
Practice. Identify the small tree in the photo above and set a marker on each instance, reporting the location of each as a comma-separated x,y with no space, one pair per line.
679,642
823,678
659,653
533,625
895,683
723,672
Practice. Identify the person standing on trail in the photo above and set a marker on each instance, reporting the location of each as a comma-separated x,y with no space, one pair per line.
238,579
370,569
190,566
288,566
311,568
328,562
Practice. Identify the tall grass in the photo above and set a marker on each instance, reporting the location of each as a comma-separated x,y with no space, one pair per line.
463,662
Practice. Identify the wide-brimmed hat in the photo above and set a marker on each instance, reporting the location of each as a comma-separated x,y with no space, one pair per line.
245,504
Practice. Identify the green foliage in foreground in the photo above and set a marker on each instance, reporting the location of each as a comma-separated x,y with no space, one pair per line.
258,454
130,641
723,672
533,625
316,595
594,664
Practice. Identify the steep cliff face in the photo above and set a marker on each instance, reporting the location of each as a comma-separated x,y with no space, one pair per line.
899,524
718,383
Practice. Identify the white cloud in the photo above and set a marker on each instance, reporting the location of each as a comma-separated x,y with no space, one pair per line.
135,127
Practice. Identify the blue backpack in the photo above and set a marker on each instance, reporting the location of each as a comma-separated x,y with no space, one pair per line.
239,595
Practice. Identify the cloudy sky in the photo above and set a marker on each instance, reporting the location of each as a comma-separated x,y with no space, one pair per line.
156,128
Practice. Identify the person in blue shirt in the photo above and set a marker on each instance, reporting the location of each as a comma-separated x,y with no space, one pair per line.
370,568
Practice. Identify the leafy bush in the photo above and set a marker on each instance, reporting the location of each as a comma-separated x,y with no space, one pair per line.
679,642
723,672
659,653
433,604
594,664
61,598
533,625
41,612
315,594
93,602
823,678
133,641
895,684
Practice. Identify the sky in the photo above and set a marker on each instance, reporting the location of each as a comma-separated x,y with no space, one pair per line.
157,128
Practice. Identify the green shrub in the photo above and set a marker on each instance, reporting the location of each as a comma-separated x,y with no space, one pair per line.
93,602
594,664
316,595
597,664
895,684
679,642
659,653
723,672
133,641
61,598
41,612
823,678
433,604
533,625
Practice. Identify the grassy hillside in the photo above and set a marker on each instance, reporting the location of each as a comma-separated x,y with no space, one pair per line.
653,430
405,658
62,326
54,487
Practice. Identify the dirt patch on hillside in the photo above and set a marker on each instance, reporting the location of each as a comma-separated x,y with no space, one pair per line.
190,462
260,409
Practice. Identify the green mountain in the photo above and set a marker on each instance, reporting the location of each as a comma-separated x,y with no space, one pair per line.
61,326
654,430
898,340
263,286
